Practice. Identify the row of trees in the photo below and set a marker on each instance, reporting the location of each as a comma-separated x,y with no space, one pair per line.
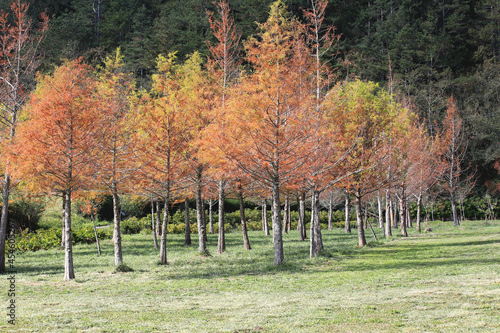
284,127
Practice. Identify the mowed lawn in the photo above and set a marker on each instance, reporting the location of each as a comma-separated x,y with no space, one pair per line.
447,280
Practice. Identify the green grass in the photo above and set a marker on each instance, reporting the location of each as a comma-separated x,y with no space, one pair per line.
447,280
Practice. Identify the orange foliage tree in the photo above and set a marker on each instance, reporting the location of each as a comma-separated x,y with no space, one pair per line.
19,60
267,130
57,145
118,151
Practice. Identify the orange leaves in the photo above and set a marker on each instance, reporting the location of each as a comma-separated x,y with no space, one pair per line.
56,144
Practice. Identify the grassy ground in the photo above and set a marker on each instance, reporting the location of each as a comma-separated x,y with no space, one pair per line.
447,280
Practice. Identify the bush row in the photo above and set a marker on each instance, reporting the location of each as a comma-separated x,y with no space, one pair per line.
44,239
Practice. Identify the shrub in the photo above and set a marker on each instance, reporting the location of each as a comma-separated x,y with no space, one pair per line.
26,213
134,225
39,240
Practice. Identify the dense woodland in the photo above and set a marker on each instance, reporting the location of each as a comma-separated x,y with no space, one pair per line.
369,101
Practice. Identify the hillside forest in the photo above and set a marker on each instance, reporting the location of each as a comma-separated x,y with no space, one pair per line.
385,106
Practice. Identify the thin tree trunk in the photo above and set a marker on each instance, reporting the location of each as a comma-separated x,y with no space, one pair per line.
393,217
359,220
419,204
246,241
265,224
409,224
187,224
285,215
402,213
202,247
211,216
69,272
4,219
380,213
316,242
155,238
289,216
158,219
117,235
221,242
63,234
388,230
301,227
277,234
347,227
164,229
92,217
456,221
204,219
330,213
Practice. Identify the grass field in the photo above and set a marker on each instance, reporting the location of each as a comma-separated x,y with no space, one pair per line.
447,280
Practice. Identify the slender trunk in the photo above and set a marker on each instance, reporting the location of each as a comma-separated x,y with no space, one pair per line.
204,219
419,204
301,227
158,219
316,239
347,227
92,217
366,218
380,213
359,220
330,213
289,216
265,224
187,225
164,229
117,235
456,221
402,213
393,218
246,241
69,272
409,224
277,234
202,247
285,215
4,219
388,230
221,241
63,234
211,216
153,227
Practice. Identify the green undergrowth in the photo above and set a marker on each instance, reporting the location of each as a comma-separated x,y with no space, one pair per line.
446,280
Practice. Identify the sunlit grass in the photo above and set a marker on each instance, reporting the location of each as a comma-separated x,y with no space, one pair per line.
444,280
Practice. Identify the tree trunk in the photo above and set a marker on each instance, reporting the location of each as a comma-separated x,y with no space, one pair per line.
316,242
388,230
277,234
265,224
4,220
409,224
187,224
158,219
117,235
302,217
164,229
63,234
347,227
202,247
330,213
211,216
419,204
285,215
153,227
246,241
359,220
380,213
402,213
393,217
221,242
456,221
69,272
289,216
92,217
